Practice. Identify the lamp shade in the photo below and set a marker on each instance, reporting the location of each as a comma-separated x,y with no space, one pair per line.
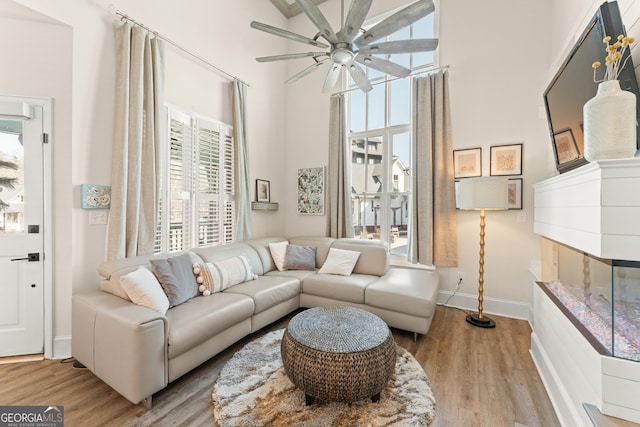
489,193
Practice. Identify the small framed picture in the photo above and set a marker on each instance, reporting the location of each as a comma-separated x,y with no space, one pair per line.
565,147
506,159
263,191
467,163
514,188
95,196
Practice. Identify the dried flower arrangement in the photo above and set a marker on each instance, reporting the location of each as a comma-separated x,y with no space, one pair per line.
615,52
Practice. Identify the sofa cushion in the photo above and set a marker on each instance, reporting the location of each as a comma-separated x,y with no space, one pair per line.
340,261
112,270
344,288
300,258
405,290
268,291
220,275
176,278
297,274
374,257
322,245
143,289
221,252
261,246
278,252
200,319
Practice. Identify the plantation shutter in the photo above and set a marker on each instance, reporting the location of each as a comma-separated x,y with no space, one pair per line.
228,194
197,206
180,174
208,194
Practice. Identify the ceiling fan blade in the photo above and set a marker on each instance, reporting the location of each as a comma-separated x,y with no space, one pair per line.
318,19
397,21
400,46
286,34
304,72
332,78
356,16
358,75
383,65
290,56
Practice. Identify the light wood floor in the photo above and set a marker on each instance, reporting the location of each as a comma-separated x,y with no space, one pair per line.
480,377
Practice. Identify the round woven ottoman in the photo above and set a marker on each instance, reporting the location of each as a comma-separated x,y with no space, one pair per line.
338,354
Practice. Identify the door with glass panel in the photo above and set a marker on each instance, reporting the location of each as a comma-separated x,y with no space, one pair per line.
21,230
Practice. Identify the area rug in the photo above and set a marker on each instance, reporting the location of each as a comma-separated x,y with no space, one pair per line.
253,390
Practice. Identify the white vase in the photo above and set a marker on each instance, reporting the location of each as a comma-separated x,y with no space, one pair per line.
610,123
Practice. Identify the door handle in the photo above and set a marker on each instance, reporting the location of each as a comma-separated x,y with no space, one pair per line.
31,257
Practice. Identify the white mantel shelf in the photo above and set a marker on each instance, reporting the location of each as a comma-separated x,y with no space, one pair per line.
594,208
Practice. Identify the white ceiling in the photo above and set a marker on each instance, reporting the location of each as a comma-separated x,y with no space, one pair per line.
290,8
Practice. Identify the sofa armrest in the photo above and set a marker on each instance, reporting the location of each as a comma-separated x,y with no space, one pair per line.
123,344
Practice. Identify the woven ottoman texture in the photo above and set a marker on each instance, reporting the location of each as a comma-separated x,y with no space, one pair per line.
342,354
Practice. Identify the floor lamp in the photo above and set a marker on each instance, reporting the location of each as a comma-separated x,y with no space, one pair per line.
484,193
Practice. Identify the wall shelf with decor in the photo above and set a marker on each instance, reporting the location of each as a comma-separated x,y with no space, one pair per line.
264,206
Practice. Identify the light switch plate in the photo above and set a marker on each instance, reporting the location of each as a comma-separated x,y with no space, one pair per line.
98,217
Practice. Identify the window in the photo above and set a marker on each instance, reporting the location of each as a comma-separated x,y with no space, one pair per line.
380,128
197,193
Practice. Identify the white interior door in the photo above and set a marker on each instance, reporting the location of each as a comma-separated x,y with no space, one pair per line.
21,233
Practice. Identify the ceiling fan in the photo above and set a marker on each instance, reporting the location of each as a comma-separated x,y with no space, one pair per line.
347,48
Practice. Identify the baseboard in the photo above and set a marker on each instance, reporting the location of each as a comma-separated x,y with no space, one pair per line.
61,347
500,307
558,395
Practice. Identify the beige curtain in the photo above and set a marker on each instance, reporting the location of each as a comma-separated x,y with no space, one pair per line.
244,226
338,194
433,228
139,126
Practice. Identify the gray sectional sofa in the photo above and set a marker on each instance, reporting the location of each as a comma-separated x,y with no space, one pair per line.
138,351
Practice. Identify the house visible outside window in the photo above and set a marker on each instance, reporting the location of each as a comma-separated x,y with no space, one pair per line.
380,126
197,193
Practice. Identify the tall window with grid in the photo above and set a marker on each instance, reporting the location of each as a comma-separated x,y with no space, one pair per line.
197,193
380,126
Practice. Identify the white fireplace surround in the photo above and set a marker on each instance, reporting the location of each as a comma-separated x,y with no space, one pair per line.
594,209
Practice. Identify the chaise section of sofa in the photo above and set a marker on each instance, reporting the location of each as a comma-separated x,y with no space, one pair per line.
404,298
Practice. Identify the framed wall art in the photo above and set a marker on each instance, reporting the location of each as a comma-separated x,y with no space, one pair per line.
467,163
95,196
506,159
514,189
565,147
311,191
263,190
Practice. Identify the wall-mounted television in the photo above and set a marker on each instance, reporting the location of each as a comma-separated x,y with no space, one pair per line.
573,86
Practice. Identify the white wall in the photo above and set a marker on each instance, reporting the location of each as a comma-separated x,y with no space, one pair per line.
499,51
77,69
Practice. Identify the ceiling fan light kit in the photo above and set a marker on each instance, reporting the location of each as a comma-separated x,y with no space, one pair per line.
347,50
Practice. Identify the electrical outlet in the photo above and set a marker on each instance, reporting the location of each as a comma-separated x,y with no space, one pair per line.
460,276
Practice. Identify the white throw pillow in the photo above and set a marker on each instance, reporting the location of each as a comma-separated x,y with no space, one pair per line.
278,253
340,261
143,289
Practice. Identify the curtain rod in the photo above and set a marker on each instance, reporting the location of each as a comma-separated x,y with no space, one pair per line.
417,73
126,17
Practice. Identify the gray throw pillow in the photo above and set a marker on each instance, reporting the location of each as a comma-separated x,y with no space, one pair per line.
300,258
176,277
